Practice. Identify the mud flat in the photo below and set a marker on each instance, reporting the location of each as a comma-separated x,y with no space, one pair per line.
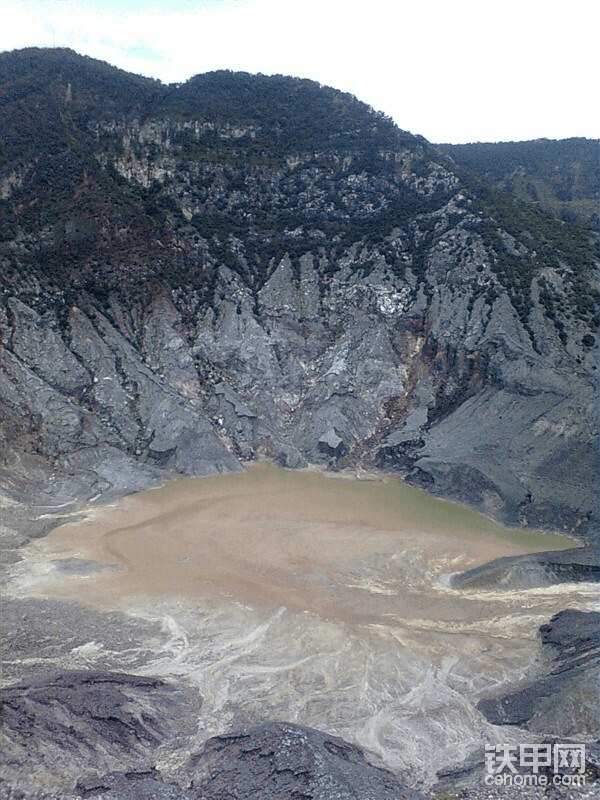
308,598
302,540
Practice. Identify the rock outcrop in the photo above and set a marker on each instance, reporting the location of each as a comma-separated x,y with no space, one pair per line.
56,727
94,734
194,276
558,706
280,760
576,565
564,699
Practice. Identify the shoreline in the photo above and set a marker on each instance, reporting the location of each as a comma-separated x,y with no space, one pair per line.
299,613
274,527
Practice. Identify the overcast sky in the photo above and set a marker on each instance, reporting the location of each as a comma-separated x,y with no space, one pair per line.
451,70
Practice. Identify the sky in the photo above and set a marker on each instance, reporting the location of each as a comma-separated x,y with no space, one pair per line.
450,70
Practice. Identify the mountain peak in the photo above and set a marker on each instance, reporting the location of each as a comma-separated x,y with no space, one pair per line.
268,222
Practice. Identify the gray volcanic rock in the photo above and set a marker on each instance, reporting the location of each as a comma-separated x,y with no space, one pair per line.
275,761
131,785
86,734
467,780
55,727
564,701
195,276
562,705
279,761
577,565
245,266
38,634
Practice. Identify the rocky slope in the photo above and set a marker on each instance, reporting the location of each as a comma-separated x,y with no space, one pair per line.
99,734
561,699
196,275
560,176
571,653
193,276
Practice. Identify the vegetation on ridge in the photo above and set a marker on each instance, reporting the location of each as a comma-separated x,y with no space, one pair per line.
562,177
109,180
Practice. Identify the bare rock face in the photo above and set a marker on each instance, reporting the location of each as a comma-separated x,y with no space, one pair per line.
576,565
496,425
245,266
565,698
195,276
98,734
131,785
56,727
278,760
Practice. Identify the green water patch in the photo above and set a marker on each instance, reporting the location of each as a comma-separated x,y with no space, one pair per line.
383,501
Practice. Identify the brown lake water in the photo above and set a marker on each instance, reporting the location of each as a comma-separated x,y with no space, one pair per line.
319,599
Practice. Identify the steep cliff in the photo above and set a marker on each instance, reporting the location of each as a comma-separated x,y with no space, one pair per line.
197,275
